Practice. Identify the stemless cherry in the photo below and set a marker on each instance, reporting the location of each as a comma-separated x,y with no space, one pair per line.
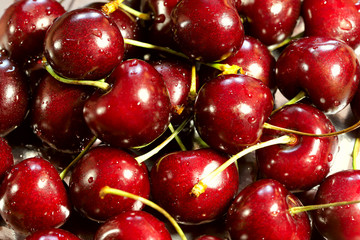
6,157
53,234
129,224
84,44
13,95
33,197
24,24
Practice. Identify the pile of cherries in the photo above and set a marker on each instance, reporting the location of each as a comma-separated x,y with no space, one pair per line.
88,95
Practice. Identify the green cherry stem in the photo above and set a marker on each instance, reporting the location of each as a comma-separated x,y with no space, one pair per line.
296,210
78,157
201,186
99,83
346,130
300,96
286,41
177,138
193,87
355,154
112,6
155,150
226,68
108,190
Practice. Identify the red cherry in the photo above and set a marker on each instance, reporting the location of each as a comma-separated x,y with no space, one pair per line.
6,157
33,197
53,234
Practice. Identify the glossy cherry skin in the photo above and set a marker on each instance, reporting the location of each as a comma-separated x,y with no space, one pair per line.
208,237
53,234
23,26
107,166
270,21
177,78
57,115
135,111
33,196
13,95
84,44
131,225
174,175
335,19
207,30
326,69
230,111
260,211
306,163
6,157
338,222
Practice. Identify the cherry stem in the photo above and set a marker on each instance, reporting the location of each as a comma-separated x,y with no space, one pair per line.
108,190
300,96
296,210
346,130
193,87
355,154
81,154
177,138
98,83
286,41
226,68
155,150
201,186
112,6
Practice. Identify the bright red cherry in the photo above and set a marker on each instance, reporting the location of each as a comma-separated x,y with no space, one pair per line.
52,234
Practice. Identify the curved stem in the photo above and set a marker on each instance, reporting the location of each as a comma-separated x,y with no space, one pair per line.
108,190
346,130
286,41
300,96
201,186
154,47
99,83
296,210
112,6
151,153
355,154
177,139
83,152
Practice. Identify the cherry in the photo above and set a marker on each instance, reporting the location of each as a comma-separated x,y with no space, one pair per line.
270,21
135,111
208,237
261,211
306,163
103,166
13,95
33,197
24,24
174,175
335,19
129,224
338,222
57,115
6,157
53,234
230,111
326,69
84,37
208,24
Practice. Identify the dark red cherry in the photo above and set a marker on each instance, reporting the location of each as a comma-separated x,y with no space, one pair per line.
57,115
175,174
339,222
6,157
133,224
135,111
332,18
261,211
107,166
23,26
230,111
207,30
306,163
326,69
208,237
84,44
52,234
13,95
270,21
33,197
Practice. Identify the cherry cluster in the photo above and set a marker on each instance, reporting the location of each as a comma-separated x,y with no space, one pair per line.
113,110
